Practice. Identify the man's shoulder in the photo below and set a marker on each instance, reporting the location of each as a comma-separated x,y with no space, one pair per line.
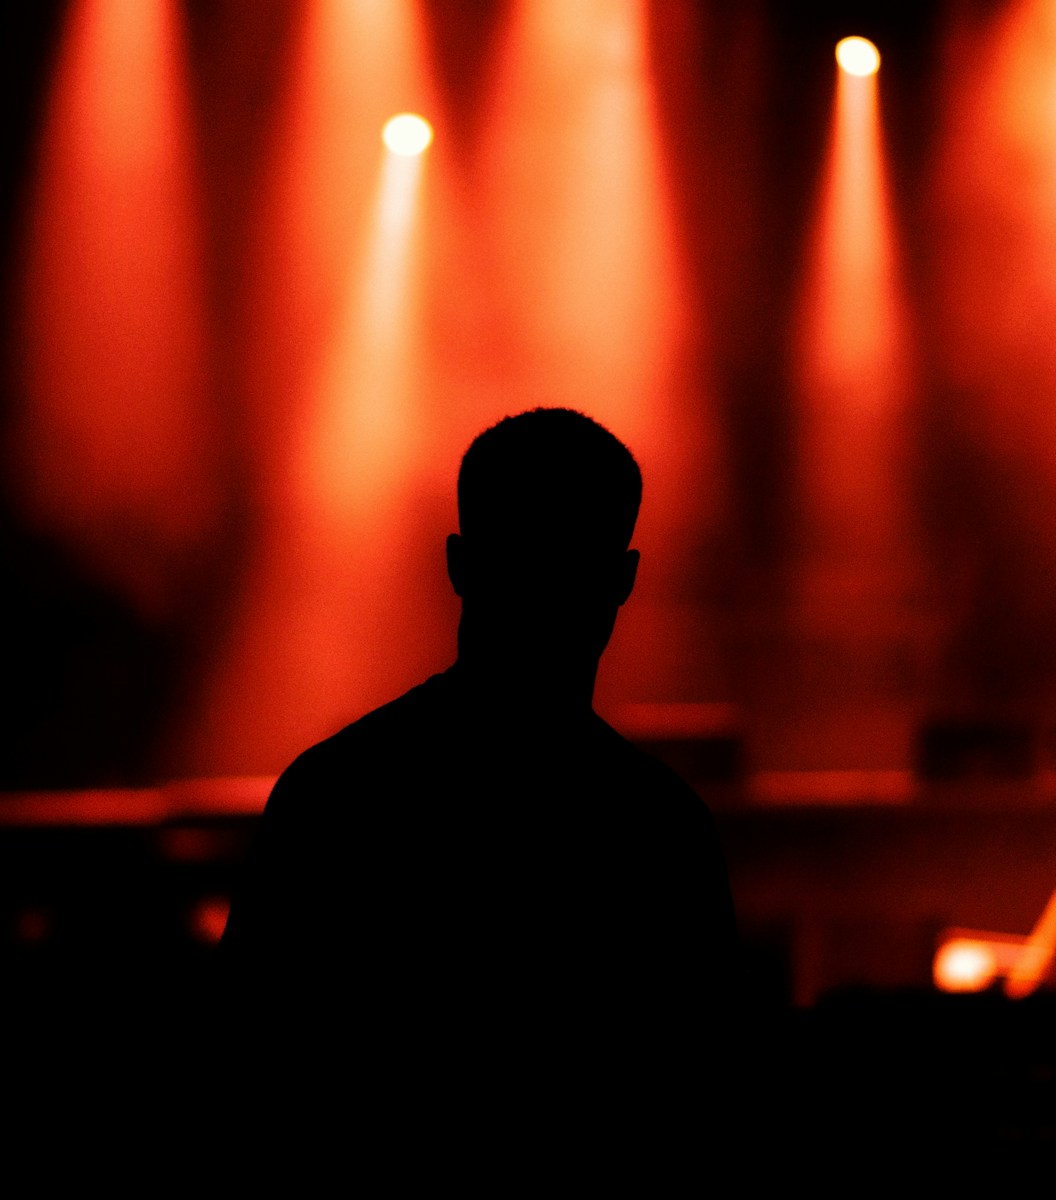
381,738
640,765
651,788
421,706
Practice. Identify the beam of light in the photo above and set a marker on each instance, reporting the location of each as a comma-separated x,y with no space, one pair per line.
857,56
1037,957
593,291
993,225
852,379
113,447
852,352
365,390
328,623
574,173
407,134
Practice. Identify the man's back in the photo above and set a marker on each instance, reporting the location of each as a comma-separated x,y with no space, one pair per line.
441,862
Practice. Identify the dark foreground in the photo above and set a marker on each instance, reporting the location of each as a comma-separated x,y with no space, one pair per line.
128,1077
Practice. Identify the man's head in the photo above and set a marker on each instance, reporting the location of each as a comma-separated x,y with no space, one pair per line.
549,472
547,504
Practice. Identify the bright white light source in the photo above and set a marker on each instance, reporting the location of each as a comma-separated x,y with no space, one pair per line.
964,965
407,134
858,56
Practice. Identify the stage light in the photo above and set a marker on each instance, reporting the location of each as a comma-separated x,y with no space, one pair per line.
407,134
858,56
346,227
964,965
854,379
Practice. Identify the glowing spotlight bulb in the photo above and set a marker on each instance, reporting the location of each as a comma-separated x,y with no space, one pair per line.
963,965
407,134
858,56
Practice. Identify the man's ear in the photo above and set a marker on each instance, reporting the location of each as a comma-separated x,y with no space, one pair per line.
628,574
456,562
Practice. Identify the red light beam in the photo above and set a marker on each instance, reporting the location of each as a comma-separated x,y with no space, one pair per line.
852,356
112,448
327,626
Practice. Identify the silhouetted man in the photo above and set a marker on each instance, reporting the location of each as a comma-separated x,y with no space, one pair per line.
483,873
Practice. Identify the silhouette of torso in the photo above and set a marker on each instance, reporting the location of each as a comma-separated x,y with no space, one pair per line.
446,878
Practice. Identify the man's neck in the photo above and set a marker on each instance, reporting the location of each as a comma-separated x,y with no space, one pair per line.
533,687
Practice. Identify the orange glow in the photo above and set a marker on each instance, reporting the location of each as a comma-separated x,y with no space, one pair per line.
113,449
1038,954
854,333
994,217
328,623
964,965
364,390
970,960
858,56
851,362
387,325
857,546
589,283
407,134
572,153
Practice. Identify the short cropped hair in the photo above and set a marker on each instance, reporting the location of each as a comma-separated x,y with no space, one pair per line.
546,473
